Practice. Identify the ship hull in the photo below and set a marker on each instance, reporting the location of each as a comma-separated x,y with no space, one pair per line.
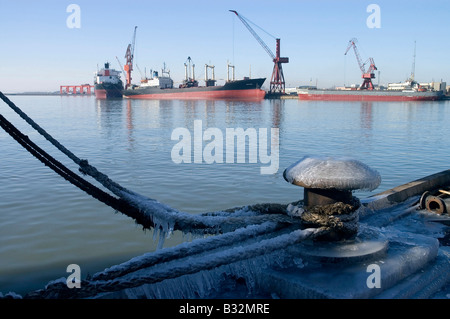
108,91
368,95
243,90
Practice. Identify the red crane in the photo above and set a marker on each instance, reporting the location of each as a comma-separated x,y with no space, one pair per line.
277,83
129,55
366,75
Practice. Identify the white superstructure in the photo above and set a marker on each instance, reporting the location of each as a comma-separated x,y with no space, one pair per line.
163,82
107,75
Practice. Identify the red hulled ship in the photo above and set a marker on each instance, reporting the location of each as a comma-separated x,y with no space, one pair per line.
161,87
369,95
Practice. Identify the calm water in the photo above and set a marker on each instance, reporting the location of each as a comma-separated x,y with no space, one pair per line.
46,223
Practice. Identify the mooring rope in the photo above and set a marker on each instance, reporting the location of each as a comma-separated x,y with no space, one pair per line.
140,213
146,211
186,249
249,233
85,167
67,174
34,125
185,266
214,260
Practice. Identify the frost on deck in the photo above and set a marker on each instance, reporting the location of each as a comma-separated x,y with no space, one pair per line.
414,265
264,251
269,261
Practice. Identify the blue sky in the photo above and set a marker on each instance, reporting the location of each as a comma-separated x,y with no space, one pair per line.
40,53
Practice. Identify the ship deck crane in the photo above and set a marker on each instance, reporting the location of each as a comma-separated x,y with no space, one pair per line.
121,68
129,56
366,75
277,83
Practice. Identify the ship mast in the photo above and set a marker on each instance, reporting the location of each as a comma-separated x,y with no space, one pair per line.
188,81
413,64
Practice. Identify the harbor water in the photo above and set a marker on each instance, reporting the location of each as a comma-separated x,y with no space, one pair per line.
47,223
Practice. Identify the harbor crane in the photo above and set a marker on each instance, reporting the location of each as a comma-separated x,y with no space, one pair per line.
366,75
277,83
129,55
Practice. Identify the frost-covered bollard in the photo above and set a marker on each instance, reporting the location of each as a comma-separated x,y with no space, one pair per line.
328,185
328,180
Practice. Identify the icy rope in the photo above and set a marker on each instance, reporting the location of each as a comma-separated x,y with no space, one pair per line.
186,249
193,265
164,218
190,265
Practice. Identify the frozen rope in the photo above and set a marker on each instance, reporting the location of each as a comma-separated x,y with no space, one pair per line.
186,249
166,218
146,211
85,167
142,215
190,265
340,219
67,174
39,129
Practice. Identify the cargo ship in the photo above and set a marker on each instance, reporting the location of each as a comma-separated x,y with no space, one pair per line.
368,95
246,89
409,90
107,83
162,87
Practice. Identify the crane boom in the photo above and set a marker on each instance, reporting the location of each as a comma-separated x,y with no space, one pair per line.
352,43
261,42
277,83
366,75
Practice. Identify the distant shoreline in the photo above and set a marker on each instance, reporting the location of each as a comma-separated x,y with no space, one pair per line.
446,96
46,94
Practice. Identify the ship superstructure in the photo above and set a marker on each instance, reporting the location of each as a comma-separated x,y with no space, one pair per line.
107,83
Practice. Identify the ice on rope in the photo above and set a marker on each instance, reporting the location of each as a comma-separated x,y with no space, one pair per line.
206,283
165,218
185,249
205,261
328,172
10,295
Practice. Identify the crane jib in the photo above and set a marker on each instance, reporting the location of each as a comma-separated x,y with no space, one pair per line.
277,84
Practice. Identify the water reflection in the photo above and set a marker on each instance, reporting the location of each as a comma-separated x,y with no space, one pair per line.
276,109
132,139
110,113
366,116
